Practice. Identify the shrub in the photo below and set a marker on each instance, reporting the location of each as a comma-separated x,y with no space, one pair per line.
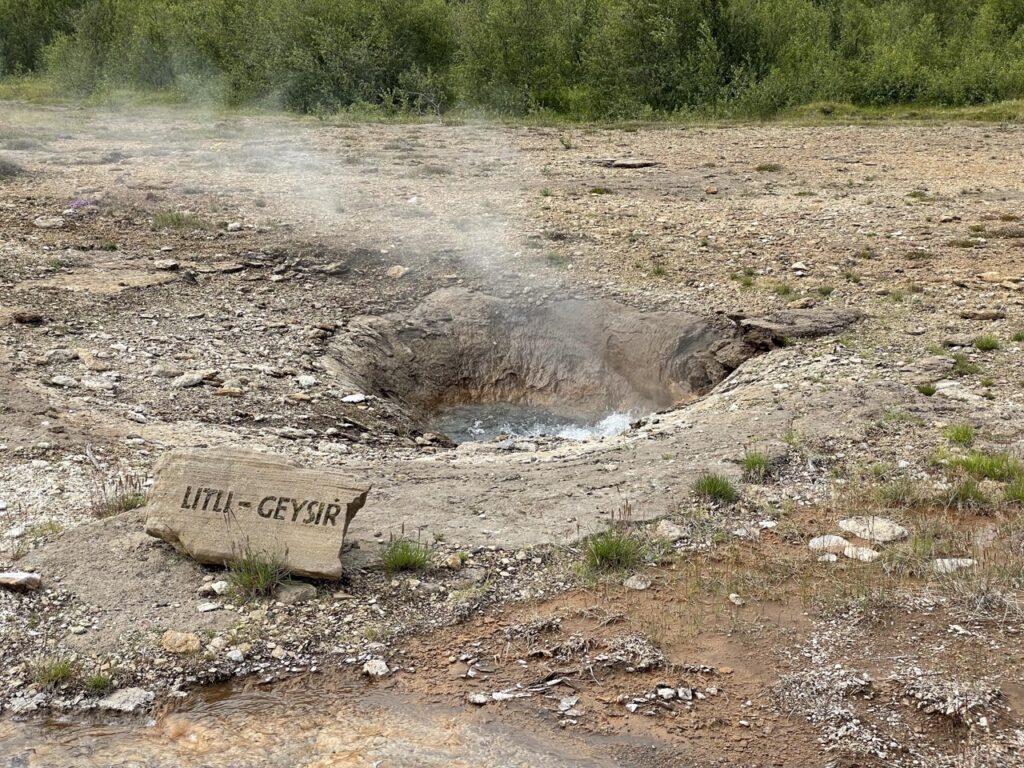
965,493
1018,336
1014,491
714,487
405,555
255,574
927,389
613,551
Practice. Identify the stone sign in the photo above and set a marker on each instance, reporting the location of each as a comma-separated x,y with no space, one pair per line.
216,505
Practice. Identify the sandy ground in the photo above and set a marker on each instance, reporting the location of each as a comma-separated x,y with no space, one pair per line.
299,226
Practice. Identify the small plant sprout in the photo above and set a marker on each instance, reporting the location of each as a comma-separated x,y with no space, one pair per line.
711,486
962,365
125,493
98,683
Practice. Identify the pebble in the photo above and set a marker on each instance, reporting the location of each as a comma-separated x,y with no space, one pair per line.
180,642
207,607
236,656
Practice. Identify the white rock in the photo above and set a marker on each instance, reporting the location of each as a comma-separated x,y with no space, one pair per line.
236,655
637,582
478,698
828,557
864,554
49,222
207,607
219,587
873,528
359,397
306,381
669,530
665,693
235,226
15,533
829,543
952,564
191,379
735,599
376,668
127,700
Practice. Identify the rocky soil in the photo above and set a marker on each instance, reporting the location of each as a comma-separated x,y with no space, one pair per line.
179,280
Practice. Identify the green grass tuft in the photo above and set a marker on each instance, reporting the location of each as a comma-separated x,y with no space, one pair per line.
715,487
99,683
756,465
768,168
179,220
53,672
126,493
927,389
405,555
256,574
961,434
986,342
989,466
965,493
1018,337
962,365
613,551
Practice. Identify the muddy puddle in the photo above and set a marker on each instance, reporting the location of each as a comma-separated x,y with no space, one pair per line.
319,721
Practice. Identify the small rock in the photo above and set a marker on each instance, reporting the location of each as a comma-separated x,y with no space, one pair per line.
710,189
234,226
191,379
376,668
864,554
207,607
166,265
20,580
292,593
397,271
669,530
952,564
235,655
478,698
127,700
637,582
665,692
828,557
873,528
306,381
180,642
278,653
356,398
48,222
829,543
735,599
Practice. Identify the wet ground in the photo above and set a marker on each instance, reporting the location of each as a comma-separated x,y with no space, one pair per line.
321,721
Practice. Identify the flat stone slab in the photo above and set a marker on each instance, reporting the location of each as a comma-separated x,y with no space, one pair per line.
20,580
216,505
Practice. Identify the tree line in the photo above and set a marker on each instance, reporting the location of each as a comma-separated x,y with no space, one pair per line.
584,59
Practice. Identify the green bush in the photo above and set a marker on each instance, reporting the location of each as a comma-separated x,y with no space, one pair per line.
256,574
580,58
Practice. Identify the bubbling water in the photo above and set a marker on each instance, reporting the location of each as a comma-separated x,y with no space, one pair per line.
482,422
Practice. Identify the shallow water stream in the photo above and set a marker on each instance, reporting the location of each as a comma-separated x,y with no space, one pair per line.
310,722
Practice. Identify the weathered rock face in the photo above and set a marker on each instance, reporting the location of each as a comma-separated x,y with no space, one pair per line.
217,505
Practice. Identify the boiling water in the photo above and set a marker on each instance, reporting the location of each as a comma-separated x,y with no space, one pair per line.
485,422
